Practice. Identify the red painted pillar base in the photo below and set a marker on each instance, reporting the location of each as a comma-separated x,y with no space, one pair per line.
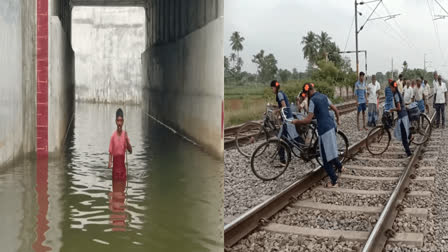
42,79
42,203
42,125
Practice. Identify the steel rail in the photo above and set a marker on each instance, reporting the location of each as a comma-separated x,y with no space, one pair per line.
230,132
382,229
246,223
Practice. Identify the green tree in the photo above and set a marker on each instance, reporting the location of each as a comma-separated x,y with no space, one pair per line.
239,64
380,77
393,76
227,71
310,45
235,61
284,75
295,75
325,45
327,72
236,41
266,66
320,47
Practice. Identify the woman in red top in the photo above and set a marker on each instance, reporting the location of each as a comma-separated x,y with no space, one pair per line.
119,143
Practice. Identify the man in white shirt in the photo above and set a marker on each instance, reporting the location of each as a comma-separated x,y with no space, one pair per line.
440,102
419,96
426,92
400,83
408,93
373,90
434,83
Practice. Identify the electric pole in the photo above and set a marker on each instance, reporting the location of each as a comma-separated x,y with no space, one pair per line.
365,56
385,18
425,61
392,72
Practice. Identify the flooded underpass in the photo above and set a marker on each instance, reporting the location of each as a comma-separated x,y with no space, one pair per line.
170,202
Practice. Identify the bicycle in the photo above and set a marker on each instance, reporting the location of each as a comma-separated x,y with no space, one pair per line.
252,132
379,143
305,147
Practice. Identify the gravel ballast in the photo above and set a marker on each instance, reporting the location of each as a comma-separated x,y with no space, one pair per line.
434,226
244,191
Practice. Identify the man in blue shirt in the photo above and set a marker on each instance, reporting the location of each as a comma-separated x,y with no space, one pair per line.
389,98
326,128
282,102
361,101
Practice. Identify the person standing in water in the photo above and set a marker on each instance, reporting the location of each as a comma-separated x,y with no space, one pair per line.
119,143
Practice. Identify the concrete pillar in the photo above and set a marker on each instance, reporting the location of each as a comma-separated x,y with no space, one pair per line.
183,18
28,75
17,99
201,13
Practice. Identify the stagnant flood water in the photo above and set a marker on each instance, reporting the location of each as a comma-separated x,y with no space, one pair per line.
172,201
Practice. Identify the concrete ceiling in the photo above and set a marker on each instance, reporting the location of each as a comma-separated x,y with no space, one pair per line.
107,2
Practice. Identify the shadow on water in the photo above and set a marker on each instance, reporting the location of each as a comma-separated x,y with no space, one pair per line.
172,200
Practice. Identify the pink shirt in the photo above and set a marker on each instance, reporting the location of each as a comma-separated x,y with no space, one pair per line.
118,146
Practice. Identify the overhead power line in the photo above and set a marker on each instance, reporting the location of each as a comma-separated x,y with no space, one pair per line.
349,32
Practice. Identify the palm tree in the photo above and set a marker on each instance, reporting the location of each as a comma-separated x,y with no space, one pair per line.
236,41
324,44
310,47
233,57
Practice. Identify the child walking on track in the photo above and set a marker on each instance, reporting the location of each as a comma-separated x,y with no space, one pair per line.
119,143
326,127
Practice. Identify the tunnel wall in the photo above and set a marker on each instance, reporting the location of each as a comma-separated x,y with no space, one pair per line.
108,43
183,72
61,84
18,79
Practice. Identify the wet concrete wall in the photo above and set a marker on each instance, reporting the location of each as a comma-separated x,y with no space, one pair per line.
108,43
183,70
18,78
61,85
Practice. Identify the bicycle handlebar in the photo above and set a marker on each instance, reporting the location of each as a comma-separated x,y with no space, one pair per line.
284,116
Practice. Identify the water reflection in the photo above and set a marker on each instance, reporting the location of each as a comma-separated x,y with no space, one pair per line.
117,205
42,202
172,200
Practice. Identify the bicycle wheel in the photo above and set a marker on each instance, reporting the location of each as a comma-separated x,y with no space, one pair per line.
266,165
248,134
342,143
378,143
421,135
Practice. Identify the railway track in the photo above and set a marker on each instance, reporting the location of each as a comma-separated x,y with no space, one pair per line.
230,132
359,214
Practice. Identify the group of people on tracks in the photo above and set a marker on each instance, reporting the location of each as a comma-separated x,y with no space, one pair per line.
399,95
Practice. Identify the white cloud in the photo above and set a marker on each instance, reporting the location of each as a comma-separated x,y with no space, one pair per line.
277,26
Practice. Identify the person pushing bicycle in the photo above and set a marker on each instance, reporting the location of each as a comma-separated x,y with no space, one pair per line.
282,101
401,131
318,107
